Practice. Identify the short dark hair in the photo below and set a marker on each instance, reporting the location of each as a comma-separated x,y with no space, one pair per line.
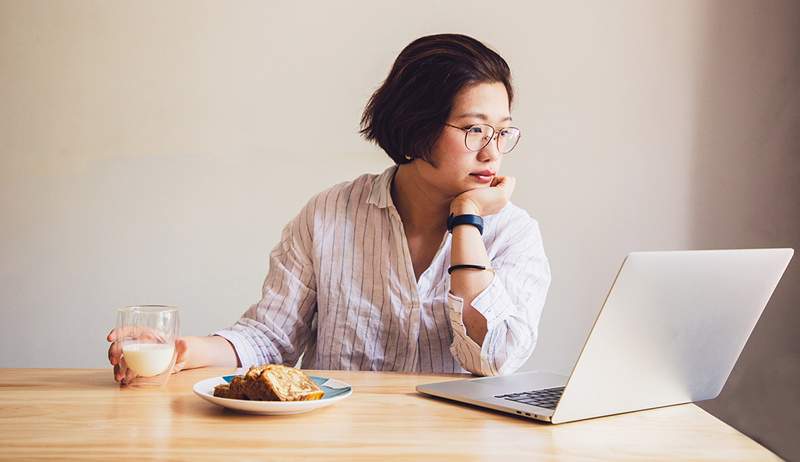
406,115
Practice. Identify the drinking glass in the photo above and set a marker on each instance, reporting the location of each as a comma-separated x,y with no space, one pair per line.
147,335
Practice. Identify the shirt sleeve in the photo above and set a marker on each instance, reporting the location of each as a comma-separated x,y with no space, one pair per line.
512,304
277,329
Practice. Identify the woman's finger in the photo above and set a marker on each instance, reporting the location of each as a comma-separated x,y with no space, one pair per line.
114,352
128,374
180,348
180,361
504,181
120,369
135,332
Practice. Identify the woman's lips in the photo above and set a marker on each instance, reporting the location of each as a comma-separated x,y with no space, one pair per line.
482,178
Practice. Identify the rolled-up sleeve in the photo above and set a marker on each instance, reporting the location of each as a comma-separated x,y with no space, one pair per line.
512,304
277,329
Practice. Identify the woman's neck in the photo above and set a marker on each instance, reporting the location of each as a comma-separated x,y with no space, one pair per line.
422,209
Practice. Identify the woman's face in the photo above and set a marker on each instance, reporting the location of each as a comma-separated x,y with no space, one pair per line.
454,168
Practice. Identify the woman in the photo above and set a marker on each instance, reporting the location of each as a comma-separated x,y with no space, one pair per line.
426,267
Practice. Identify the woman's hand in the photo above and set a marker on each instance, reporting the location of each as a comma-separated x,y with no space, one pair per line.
122,373
484,201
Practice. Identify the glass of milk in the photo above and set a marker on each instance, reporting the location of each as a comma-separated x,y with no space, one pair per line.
147,334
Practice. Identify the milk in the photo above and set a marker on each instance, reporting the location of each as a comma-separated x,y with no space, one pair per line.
148,359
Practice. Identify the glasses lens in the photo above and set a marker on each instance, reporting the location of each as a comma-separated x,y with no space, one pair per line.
507,139
478,136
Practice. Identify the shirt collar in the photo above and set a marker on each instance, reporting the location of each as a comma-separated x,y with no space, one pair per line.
381,194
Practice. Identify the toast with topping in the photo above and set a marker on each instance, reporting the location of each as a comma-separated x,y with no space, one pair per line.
272,382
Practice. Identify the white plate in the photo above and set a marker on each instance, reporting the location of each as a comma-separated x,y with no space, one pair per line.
335,390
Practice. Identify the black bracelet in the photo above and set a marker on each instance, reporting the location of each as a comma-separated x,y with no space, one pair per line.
455,267
468,219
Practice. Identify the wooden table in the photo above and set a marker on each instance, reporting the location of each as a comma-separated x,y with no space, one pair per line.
81,414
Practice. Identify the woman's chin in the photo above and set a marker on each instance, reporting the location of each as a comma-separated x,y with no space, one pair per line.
475,185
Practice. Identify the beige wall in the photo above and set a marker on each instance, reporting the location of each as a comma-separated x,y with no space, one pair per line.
150,152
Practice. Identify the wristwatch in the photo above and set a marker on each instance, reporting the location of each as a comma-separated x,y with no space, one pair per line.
474,220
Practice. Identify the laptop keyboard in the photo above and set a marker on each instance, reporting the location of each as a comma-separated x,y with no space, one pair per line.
547,398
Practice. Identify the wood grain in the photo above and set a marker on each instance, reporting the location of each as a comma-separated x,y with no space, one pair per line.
82,414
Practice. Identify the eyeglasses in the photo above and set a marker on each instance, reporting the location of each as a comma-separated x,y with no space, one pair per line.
478,136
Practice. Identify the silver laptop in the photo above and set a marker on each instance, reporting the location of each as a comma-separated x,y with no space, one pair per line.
669,332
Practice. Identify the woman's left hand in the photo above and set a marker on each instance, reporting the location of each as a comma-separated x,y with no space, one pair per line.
484,201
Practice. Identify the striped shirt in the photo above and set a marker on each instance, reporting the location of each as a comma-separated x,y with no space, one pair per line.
341,291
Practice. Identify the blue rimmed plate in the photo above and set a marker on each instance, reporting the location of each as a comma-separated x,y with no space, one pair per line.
335,390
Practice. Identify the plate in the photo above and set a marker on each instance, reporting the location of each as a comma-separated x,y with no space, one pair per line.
335,391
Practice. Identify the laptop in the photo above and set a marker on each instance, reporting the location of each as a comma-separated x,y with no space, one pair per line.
669,332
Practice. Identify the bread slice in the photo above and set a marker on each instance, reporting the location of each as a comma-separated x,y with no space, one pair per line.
233,390
254,388
271,382
238,388
222,391
290,384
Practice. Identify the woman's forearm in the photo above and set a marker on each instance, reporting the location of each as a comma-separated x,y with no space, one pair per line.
210,351
468,248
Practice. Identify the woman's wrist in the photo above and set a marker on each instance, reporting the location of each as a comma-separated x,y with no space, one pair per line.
193,355
464,207
206,351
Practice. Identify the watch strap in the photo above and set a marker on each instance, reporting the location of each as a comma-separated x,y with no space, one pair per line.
467,219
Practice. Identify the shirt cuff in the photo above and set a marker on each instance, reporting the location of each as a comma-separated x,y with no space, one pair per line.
455,306
248,356
493,302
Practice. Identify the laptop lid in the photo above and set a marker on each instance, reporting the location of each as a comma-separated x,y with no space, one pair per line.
670,330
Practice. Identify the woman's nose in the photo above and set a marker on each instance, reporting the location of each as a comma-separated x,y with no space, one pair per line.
490,151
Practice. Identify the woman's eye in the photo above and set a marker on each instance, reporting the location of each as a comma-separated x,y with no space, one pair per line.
475,130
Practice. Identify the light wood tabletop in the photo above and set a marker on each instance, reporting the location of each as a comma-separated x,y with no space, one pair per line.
82,414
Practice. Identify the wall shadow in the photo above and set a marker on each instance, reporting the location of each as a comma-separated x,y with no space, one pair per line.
746,193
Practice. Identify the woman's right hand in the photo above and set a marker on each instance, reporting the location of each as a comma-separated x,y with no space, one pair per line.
485,200
121,372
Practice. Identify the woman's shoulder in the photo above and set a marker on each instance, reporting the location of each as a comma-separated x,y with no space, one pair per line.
354,191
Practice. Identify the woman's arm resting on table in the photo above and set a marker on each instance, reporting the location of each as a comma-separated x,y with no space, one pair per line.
495,317
208,351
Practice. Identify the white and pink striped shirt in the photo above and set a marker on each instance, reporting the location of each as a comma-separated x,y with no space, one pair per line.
341,291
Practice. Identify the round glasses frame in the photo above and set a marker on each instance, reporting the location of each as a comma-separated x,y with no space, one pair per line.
491,136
